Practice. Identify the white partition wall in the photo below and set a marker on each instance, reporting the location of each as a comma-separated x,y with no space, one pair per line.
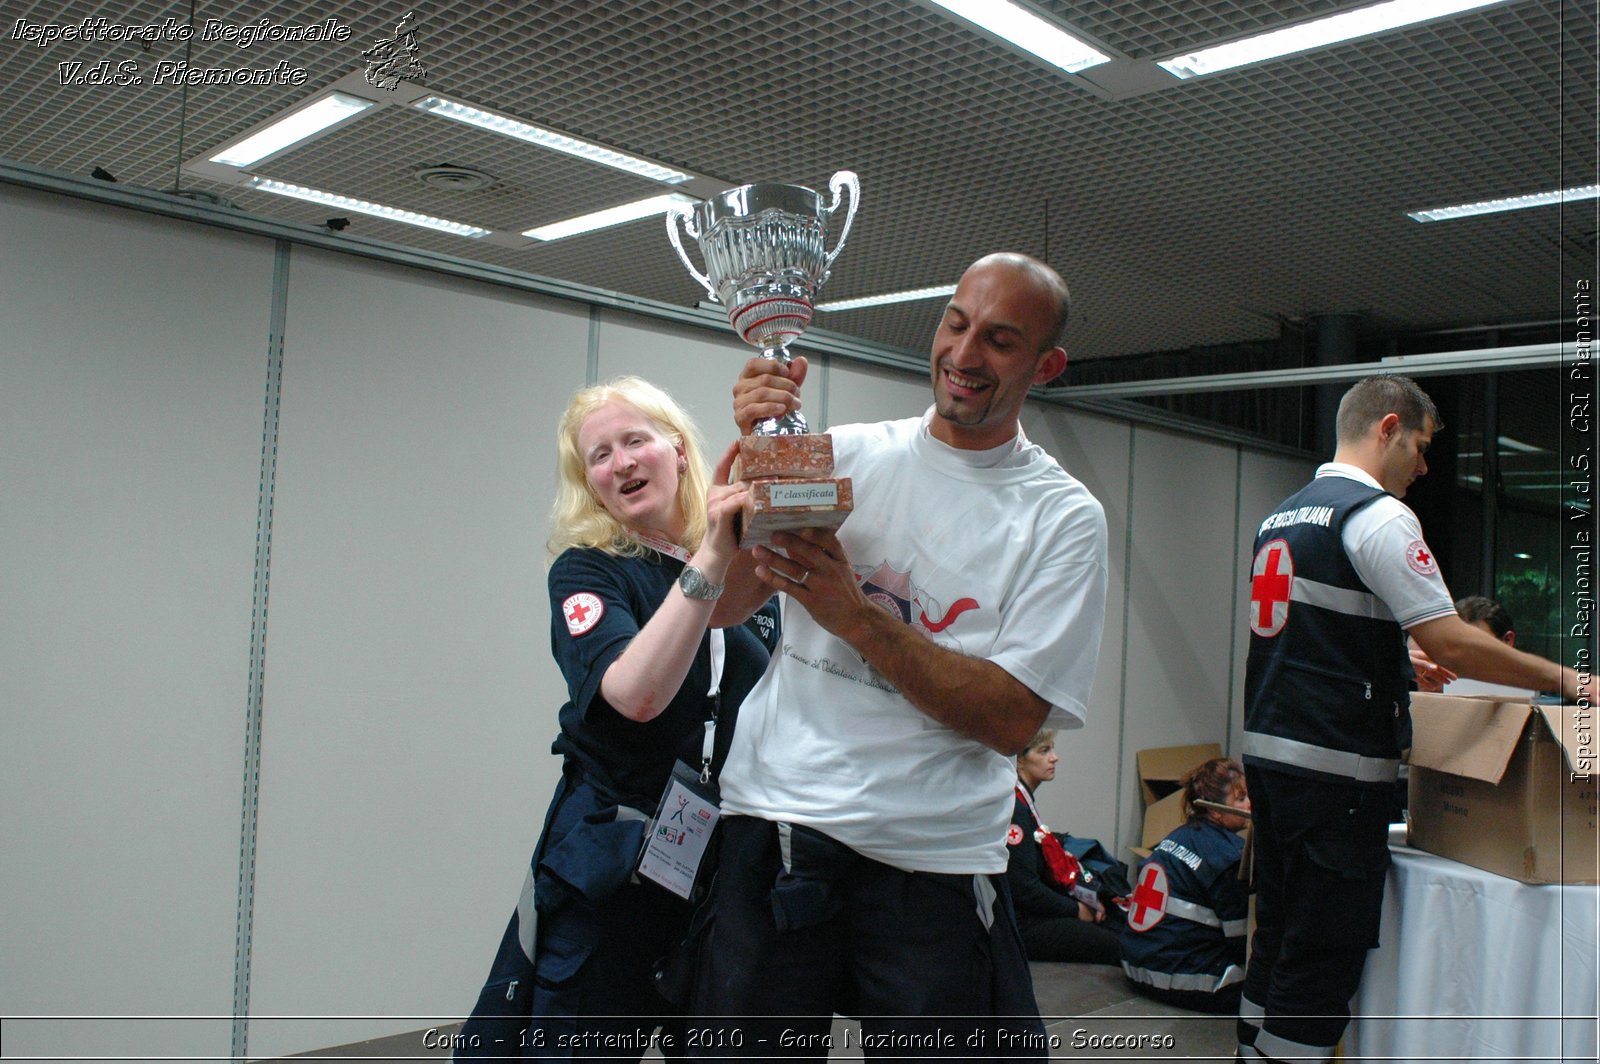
851,392
408,698
132,366
1181,599
411,698
697,366
1083,799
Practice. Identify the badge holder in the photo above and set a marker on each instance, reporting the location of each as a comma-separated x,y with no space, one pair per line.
675,840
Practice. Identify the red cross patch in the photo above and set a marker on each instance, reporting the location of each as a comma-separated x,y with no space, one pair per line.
1271,576
1013,835
582,611
1420,558
1149,902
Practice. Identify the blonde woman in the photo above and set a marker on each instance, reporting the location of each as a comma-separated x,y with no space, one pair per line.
641,542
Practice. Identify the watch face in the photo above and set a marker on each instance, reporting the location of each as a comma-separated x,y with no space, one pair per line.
696,586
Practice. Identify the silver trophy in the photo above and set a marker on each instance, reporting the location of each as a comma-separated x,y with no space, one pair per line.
765,247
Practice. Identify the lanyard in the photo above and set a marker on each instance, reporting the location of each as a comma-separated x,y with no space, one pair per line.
719,654
1022,792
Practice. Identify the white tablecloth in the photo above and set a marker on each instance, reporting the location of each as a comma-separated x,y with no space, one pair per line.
1475,966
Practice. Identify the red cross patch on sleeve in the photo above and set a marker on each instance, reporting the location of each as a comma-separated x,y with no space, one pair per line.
582,611
1420,558
1013,835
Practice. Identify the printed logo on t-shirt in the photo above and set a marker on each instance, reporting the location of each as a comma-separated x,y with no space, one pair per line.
1013,835
582,611
900,596
1421,558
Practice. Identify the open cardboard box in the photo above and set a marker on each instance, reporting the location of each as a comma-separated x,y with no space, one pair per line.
1160,769
1508,787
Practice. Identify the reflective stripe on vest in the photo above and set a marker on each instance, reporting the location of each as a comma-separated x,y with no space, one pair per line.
1339,599
1321,758
1202,915
1201,981
1273,1047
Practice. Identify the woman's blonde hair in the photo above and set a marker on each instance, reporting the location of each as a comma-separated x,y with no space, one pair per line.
577,519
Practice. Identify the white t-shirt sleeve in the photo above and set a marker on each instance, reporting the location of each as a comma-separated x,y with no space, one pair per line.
1050,635
1385,545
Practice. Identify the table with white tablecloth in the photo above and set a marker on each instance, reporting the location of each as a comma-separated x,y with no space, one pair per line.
1475,966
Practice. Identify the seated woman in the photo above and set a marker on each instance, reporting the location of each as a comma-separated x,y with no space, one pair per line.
1184,943
641,543
1056,924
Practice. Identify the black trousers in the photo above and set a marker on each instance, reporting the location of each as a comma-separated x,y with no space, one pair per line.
930,963
1321,858
1066,938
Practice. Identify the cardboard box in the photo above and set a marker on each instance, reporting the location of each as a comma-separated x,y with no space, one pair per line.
1160,769
1505,786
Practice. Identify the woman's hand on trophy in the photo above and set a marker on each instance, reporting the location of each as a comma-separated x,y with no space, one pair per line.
724,501
767,389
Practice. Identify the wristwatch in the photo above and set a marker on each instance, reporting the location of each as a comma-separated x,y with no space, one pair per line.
693,584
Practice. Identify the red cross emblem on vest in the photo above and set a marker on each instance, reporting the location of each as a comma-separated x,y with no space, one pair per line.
1270,579
1149,902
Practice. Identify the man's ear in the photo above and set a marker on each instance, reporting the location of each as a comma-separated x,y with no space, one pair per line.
1388,427
1051,366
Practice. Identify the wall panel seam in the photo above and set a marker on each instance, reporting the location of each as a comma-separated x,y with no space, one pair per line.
245,913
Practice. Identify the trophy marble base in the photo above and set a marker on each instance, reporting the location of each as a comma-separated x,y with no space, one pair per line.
783,504
790,486
808,455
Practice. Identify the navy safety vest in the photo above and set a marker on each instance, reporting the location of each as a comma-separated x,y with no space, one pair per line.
1199,941
1327,678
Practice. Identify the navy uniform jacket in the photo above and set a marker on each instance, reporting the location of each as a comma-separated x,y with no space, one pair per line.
615,771
1034,893
1199,942
1327,677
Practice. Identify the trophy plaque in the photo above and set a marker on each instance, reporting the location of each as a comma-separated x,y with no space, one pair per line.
765,247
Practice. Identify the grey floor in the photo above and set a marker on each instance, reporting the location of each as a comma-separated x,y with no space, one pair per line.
1089,1014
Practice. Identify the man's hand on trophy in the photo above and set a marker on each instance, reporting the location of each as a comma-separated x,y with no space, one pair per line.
767,389
815,571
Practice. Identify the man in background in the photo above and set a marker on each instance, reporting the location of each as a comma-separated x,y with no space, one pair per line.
1341,575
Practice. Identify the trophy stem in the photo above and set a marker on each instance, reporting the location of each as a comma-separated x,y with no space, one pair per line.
791,424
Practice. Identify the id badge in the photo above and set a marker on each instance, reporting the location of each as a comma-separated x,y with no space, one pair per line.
676,838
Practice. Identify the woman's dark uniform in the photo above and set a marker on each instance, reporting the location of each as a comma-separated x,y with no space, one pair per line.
589,989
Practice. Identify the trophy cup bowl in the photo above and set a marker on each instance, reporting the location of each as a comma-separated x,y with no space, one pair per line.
765,248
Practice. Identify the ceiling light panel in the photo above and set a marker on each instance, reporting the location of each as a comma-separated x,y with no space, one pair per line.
605,219
546,138
302,124
1023,29
1508,203
377,210
377,159
908,296
1318,33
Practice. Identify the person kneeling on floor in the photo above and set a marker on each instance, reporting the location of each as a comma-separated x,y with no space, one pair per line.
1184,942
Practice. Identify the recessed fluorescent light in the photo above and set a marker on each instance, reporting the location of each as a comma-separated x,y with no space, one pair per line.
1511,444
1510,203
1027,31
1318,33
377,210
890,297
628,212
545,138
292,128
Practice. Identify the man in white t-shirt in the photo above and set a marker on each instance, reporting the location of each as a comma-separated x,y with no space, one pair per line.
1341,575
868,790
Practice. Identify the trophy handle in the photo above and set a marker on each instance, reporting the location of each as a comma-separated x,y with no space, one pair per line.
686,213
838,184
